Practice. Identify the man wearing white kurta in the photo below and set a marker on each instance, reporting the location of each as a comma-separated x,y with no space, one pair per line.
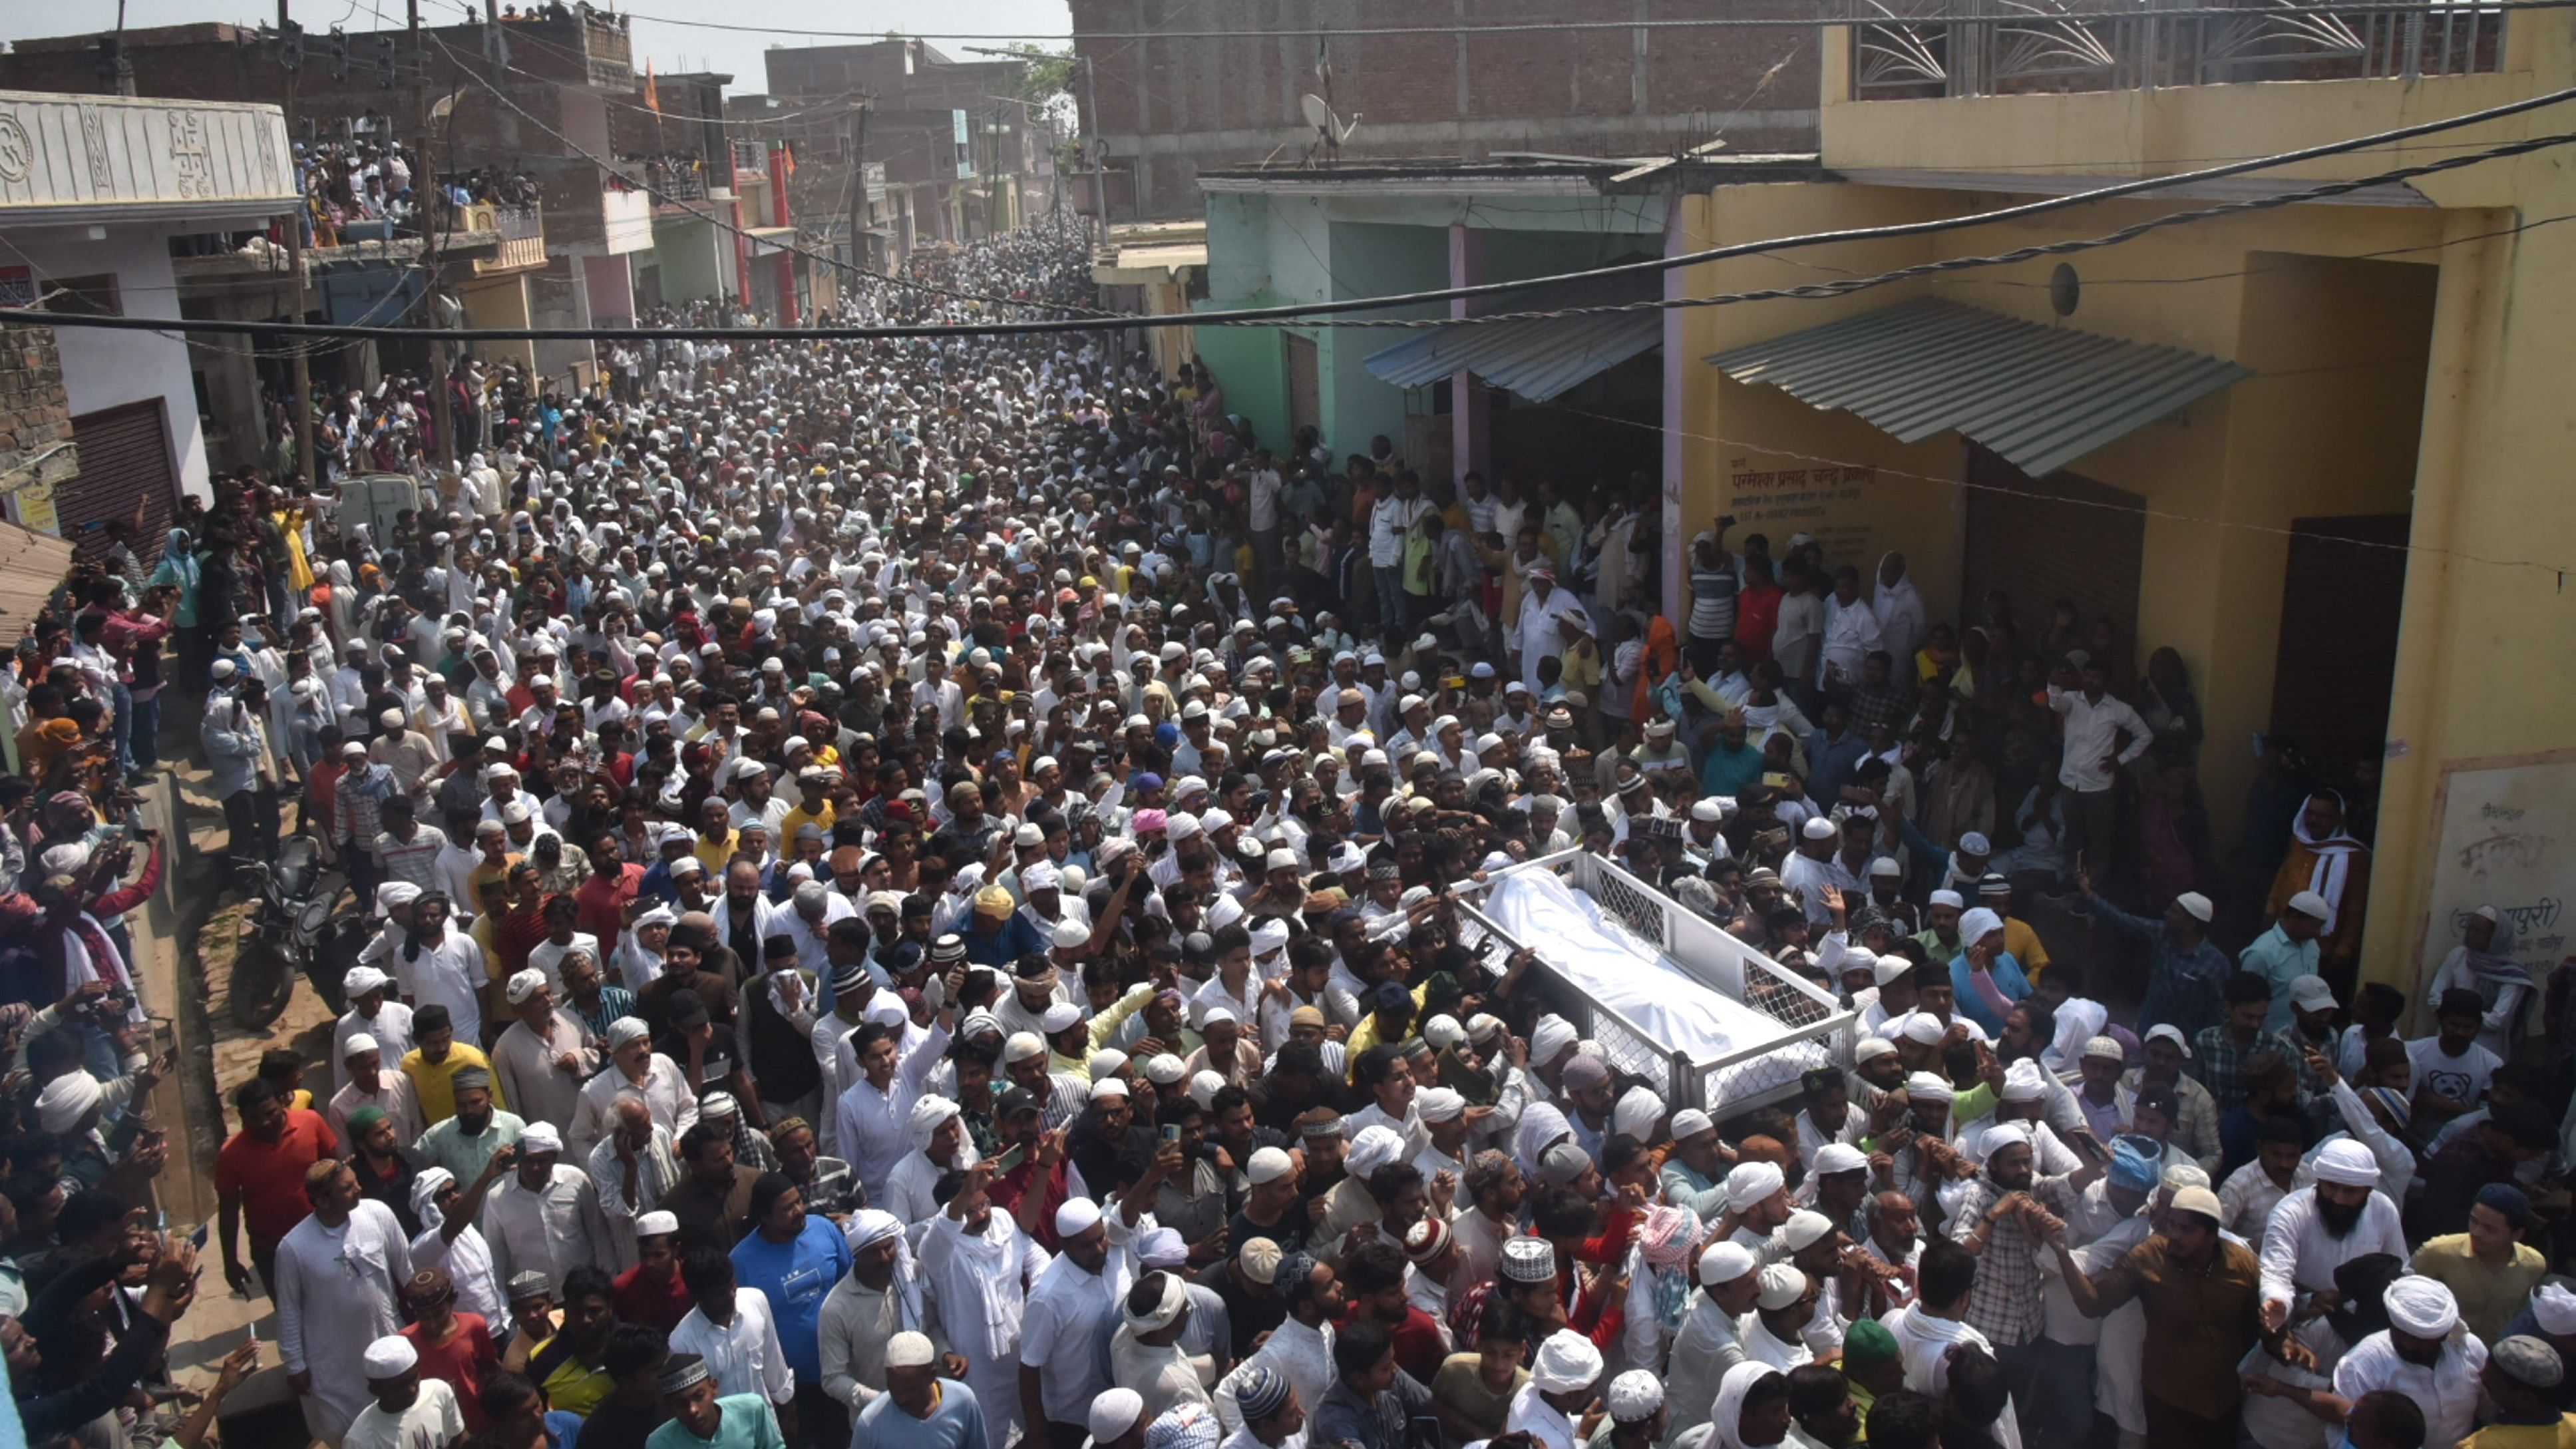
540,1059
1543,609
372,1012
630,1171
974,1255
339,1276
634,1069
2302,1246
545,1217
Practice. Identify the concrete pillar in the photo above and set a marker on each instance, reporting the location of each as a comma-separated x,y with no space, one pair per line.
1677,242
1470,421
786,260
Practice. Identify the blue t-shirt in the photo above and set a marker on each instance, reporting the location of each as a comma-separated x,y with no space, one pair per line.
794,1277
2008,978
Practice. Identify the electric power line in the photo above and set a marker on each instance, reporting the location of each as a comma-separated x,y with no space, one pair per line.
2023,18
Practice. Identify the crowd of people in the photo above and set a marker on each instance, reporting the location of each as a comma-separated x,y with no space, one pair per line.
911,896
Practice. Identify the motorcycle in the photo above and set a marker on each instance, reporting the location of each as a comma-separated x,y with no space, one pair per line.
293,927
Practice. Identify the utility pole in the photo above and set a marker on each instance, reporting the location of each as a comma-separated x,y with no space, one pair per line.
1098,163
433,217
301,362
859,186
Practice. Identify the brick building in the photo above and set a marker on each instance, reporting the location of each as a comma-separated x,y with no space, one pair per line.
1168,108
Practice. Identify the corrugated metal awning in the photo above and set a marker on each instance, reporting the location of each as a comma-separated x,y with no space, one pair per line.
2041,396
1539,358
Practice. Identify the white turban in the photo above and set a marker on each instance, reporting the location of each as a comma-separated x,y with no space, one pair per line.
1978,924
870,1226
2554,1308
928,1111
1638,1111
2022,1082
1925,1087
2000,1136
1924,1028
2421,1307
539,1137
1748,1183
2347,1163
67,1099
1567,1363
1440,1104
1551,1036
1372,1149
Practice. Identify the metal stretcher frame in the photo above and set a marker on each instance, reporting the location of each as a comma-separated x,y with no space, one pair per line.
1713,957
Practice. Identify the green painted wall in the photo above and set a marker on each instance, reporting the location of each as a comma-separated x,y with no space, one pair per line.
1252,364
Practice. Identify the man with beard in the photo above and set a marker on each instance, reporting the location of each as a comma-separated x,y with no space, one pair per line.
2002,1218
2342,1216
1895,1238
465,1141
2424,1354
975,1255
1711,1338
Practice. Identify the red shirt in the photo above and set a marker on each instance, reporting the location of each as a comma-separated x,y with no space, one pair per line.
658,1305
603,899
462,1362
1418,1347
269,1176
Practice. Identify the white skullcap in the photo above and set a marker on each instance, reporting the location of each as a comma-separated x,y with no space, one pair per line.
1567,1363
1871,1048
1440,1104
1268,1164
1924,1028
657,1223
2347,1163
1690,1122
2000,1136
1106,1062
390,1357
1925,1087
1818,828
1077,1215
2022,1082
1443,1032
1977,925
909,1349
359,980
1634,1396
1952,899
1806,1228
1372,1149
524,984
540,1137
358,1044
1203,1089
1748,1183
1782,1285
1884,969
2312,905
1105,1088
2554,1309
1071,936
2106,1046
1163,1069
1725,1262
1062,1016
1836,1157
1114,1413
2421,1307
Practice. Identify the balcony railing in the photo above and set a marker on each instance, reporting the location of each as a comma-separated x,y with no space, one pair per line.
1913,49
609,49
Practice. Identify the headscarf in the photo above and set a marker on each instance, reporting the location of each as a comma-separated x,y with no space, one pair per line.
871,1226
2495,967
424,1197
1726,1419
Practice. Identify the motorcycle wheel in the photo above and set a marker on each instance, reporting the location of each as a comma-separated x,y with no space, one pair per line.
263,982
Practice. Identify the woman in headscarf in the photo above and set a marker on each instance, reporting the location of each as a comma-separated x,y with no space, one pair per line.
2483,962
178,569
1752,1409
2329,859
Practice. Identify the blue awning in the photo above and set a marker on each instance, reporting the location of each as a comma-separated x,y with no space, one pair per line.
1539,358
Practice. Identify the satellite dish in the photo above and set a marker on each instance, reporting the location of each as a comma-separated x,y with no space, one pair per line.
1318,114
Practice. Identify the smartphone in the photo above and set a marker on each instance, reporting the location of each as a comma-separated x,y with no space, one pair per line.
1010,1161
1171,1132
197,1239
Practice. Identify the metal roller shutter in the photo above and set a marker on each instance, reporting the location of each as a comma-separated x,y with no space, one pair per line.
2341,598
2038,540
124,458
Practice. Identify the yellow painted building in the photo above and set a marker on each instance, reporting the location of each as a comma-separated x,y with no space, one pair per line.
2392,368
